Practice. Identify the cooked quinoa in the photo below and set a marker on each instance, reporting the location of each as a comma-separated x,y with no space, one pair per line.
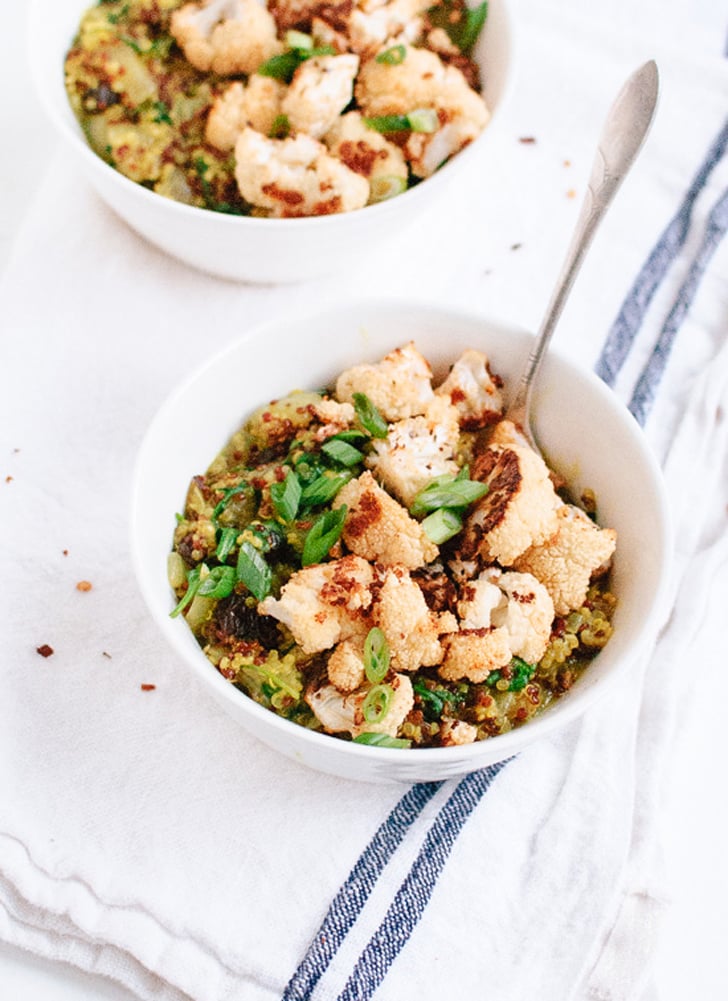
298,108
388,562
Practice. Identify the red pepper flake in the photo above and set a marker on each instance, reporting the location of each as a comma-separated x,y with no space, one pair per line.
527,140
45,650
148,688
9,479
65,552
84,585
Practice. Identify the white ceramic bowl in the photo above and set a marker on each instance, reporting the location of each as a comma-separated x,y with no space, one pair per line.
240,248
588,435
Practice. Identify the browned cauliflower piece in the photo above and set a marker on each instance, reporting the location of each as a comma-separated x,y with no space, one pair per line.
295,177
518,511
474,653
379,529
324,604
505,432
345,666
340,712
517,602
411,629
456,732
399,386
225,36
421,81
368,153
473,390
374,24
334,417
319,91
566,562
417,449
256,104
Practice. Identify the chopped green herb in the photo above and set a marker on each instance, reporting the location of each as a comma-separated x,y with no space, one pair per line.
298,40
462,24
352,437
286,497
435,698
393,56
386,186
419,120
132,43
281,127
162,113
227,497
381,740
376,655
447,491
520,675
253,571
377,702
324,488
322,536
226,543
423,120
193,583
283,66
369,417
342,452
219,583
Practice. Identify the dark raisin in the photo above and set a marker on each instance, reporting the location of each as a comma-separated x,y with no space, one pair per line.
234,617
100,98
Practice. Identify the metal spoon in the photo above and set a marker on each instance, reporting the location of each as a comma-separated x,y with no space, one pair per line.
622,136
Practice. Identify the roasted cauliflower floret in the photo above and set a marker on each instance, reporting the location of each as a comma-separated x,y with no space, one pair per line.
379,529
374,23
225,36
399,386
566,562
324,604
334,417
345,666
517,602
518,511
295,177
417,449
319,91
473,390
420,81
411,629
368,153
256,104
456,732
474,653
338,712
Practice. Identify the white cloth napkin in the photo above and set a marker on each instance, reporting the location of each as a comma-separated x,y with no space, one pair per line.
143,835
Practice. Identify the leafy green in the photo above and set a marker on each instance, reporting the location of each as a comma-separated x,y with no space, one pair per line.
253,571
324,532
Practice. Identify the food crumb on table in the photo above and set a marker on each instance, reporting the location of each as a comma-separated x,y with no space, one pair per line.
45,650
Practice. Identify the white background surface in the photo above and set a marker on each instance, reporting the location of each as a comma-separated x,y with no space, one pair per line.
691,962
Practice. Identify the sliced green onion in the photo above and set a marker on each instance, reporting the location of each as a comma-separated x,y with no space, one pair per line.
266,535
369,417
281,67
423,120
376,655
323,489
521,674
393,56
352,437
253,571
193,583
387,123
381,740
342,452
471,27
447,491
298,40
281,127
227,497
286,497
386,186
219,583
228,539
442,525
324,532
377,702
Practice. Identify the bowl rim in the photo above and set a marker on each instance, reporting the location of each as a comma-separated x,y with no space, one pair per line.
94,162
504,745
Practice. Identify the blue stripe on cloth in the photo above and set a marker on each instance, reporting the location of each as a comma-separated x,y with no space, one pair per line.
625,328
414,894
653,371
350,899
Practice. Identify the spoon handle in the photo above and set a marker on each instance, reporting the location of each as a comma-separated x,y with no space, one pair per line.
622,136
